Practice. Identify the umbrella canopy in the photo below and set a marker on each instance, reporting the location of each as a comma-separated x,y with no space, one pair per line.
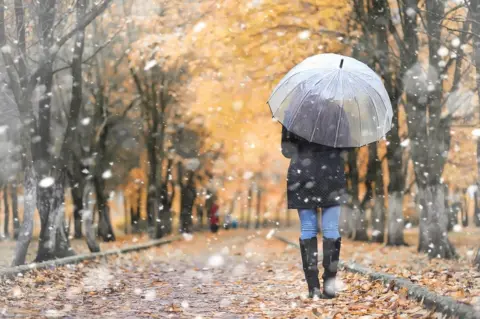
333,100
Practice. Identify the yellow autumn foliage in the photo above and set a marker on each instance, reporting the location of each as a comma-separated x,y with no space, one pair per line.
241,51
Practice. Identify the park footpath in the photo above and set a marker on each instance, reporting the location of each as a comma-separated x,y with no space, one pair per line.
232,274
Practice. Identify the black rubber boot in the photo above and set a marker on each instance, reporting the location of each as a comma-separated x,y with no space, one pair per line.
331,256
309,252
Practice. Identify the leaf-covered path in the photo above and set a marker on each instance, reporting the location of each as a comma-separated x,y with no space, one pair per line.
230,275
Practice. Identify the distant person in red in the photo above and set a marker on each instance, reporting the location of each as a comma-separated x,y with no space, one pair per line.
214,219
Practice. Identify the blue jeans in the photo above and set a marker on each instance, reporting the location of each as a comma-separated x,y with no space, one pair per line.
309,224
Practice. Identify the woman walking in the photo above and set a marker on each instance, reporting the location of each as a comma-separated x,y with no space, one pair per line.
316,179
326,104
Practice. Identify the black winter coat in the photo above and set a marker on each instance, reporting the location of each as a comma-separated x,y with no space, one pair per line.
316,176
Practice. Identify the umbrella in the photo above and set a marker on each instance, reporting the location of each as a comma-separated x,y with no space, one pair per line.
333,100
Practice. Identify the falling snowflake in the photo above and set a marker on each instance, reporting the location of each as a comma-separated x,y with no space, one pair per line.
411,12
304,35
85,121
193,164
405,142
6,49
107,174
442,51
247,175
150,295
46,182
457,228
186,236
456,42
199,27
224,303
150,64
476,132
216,261
270,234
237,105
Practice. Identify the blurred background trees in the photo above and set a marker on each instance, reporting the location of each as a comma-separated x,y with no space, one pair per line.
121,116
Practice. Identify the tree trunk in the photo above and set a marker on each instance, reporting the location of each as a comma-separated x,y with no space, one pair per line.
105,228
242,210
154,224
16,218
288,221
474,11
209,201
378,220
279,208
30,195
199,209
258,208
125,213
477,259
46,19
164,223
187,200
6,225
378,210
135,213
135,210
434,230
476,208
448,208
345,222
53,241
395,219
464,210
87,216
360,223
27,118
77,210
231,210
249,206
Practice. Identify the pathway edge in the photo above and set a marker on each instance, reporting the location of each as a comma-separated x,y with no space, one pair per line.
15,271
430,300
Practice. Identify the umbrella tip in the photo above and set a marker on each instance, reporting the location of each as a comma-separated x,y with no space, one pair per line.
341,63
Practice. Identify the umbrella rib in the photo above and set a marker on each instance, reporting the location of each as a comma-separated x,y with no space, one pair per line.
291,76
340,117
373,102
283,100
368,84
376,111
359,119
301,101
318,116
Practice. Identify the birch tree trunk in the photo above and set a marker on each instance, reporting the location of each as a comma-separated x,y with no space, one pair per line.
77,210
6,229
434,231
87,216
30,195
395,219
16,217
258,208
